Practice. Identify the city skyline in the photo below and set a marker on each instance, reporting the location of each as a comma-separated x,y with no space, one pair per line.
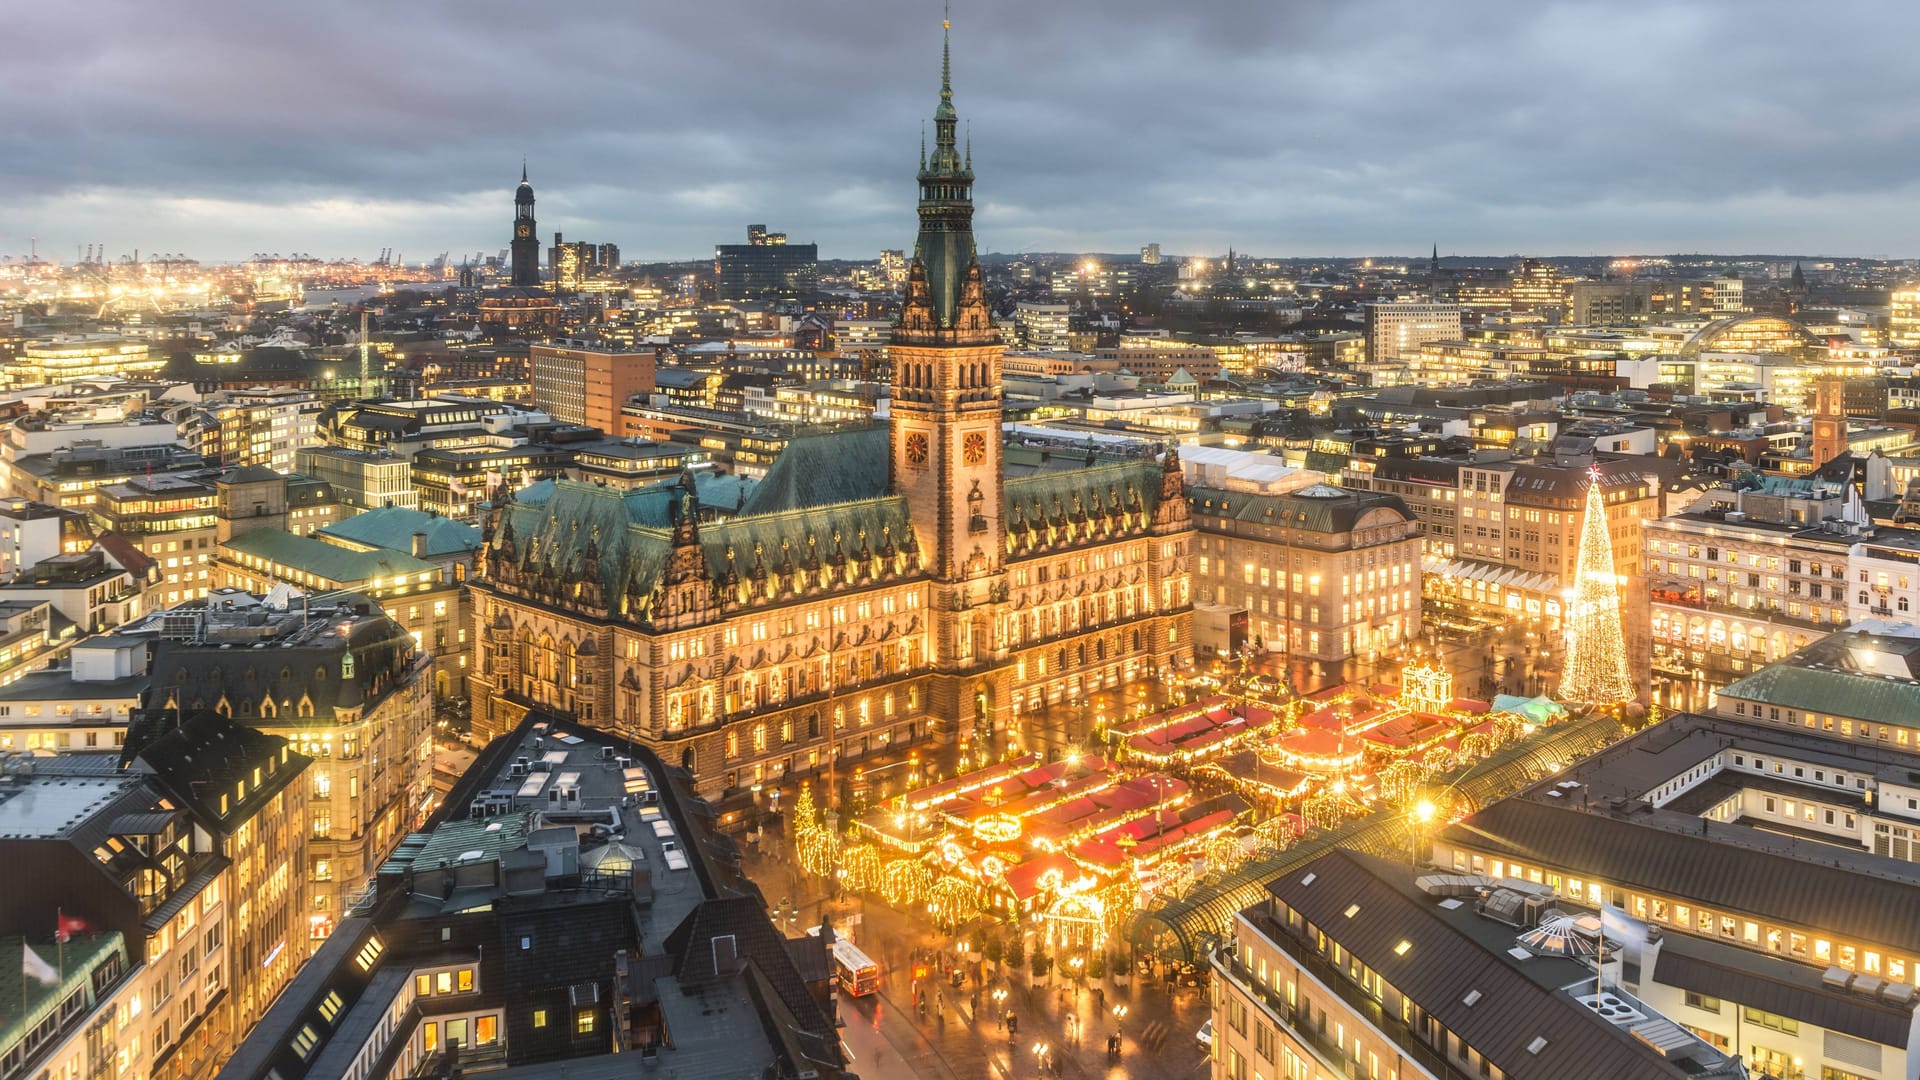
1386,127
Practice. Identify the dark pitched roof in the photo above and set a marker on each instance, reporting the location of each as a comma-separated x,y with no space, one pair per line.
307,671
1707,870
198,760
1782,988
1443,965
1319,508
745,919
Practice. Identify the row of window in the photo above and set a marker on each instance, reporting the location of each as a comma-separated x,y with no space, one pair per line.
1703,921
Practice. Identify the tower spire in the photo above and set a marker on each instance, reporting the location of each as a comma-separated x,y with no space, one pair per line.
946,66
944,254
523,169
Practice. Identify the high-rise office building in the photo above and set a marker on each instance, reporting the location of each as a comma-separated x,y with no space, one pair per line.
579,383
1150,254
1396,331
1609,303
1536,291
766,267
1903,317
1041,326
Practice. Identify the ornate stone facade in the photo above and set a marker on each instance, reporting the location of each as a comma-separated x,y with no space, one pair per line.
880,586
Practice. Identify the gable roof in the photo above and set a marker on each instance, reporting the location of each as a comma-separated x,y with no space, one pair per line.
307,671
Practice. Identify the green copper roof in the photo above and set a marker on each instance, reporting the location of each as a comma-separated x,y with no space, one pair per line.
824,499
821,470
393,528
1840,693
945,248
1106,486
329,561
25,1001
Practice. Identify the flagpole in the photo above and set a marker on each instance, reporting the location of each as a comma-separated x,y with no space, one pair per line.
60,942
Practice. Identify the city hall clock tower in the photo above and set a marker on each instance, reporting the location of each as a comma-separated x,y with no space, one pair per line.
946,405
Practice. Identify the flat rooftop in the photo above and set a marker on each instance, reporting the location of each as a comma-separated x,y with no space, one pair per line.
48,807
627,798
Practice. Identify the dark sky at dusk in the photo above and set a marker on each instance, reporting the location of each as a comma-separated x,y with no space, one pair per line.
1282,127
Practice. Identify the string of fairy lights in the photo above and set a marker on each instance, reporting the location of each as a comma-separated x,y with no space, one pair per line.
1012,840
1596,670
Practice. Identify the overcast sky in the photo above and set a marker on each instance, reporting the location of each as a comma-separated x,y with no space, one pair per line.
1283,127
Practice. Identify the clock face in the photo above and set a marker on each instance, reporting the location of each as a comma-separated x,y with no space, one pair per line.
974,448
523,230
917,447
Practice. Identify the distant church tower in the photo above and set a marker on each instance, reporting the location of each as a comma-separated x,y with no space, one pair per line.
526,241
1829,420
946,406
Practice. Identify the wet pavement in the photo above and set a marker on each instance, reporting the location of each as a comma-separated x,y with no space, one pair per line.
963,1030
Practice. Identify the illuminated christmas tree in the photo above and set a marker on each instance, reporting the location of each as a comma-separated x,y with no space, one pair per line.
1596,650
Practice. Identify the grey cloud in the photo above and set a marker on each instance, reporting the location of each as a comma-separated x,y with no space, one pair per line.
1280,127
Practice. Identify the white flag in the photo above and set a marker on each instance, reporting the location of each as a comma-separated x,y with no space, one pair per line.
1623,929
34,966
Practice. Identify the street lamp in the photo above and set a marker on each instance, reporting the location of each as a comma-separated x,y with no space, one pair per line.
1418,819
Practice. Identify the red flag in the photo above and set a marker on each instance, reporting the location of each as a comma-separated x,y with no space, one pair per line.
65,925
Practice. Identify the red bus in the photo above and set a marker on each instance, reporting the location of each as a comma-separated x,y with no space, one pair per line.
856,972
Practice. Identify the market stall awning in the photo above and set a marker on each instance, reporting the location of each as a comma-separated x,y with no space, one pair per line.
1502,576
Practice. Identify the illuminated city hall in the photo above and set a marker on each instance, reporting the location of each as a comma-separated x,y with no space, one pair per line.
879,586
